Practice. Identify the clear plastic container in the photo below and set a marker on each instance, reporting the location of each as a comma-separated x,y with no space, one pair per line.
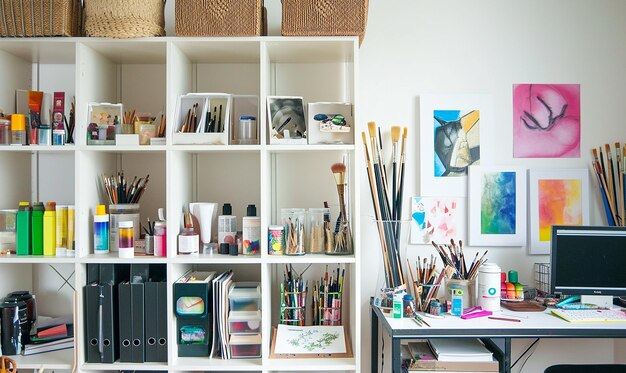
247,130
7,229
245,296
318,229
294,222
244,322
122,212
245,346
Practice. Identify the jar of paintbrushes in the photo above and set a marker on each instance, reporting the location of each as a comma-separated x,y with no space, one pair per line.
343,244
294,222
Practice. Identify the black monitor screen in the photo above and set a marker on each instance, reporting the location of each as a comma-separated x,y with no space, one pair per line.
588,260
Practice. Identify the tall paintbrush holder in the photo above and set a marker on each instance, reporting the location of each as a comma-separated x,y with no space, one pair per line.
392,238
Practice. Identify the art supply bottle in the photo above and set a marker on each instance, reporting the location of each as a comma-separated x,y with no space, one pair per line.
188,239
251,229
61,230
18,129
49,229
126,244
456,297
275,244
101,231
37,228
227,225
160,238
397,305
23,226
489,287
408,306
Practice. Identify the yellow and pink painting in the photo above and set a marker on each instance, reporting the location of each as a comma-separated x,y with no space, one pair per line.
560,203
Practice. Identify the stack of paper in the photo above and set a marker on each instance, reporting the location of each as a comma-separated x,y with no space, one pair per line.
420,358
460,349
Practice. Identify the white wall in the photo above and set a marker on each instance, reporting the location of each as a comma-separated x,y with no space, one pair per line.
484,46
414,47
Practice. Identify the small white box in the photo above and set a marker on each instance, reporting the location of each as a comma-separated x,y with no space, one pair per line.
127,139
210,108
330,123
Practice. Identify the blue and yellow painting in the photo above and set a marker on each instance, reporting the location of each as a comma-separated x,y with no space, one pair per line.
457,141
497,203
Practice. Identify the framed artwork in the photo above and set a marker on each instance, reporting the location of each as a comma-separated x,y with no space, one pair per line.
497,206
437,219
546,120
287,121
557,197
450,133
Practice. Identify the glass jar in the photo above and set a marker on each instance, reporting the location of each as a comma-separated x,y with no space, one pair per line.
293,220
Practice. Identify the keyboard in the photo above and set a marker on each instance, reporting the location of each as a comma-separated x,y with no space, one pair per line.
590,315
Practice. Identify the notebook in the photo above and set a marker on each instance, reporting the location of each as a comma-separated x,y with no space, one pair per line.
590,315
460,349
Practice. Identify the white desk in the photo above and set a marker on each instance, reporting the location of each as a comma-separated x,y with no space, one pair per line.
533,325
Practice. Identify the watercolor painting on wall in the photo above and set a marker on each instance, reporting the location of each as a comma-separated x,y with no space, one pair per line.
546,120
497,206
450,130
557,197
437,219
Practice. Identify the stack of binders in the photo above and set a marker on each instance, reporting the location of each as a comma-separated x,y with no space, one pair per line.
126,313
142,315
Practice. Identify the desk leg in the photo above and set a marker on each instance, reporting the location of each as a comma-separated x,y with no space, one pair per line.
396,359
374,342
507,356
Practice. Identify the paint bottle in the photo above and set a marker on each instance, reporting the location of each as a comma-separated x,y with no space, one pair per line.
5,131
251,227
23,227
126,244
101,231
227,225
61,230
18,129
49,230
275,244
188,239
397,305
37,228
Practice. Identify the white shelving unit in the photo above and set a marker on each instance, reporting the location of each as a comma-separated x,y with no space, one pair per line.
149,75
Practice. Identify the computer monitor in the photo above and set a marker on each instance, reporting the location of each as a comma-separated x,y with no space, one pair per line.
588,261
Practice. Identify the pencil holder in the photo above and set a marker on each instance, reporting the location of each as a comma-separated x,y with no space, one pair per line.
292,307
328,308
318,223
424,293
293,221
468,288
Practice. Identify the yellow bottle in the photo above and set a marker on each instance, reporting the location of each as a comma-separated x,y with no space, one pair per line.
49,229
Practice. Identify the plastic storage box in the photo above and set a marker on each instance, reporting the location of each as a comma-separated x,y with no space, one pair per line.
245,346
245,296
244,322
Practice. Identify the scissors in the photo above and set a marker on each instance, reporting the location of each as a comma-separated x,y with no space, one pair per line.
7,365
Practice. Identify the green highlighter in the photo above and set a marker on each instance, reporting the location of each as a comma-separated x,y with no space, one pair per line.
23,227
37,228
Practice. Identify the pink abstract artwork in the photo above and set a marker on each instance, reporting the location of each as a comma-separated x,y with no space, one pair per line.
546,120
437,219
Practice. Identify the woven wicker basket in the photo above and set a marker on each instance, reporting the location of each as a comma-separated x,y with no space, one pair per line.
40,17
219,17
324,18
124,18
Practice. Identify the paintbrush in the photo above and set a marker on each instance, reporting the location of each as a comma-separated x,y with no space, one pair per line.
395,138
339,171
609,166
375,202
606,198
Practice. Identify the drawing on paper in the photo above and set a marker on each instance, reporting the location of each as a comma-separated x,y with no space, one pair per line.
497,203
313,340
560,203
546,120
324,339
457,141
436,219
